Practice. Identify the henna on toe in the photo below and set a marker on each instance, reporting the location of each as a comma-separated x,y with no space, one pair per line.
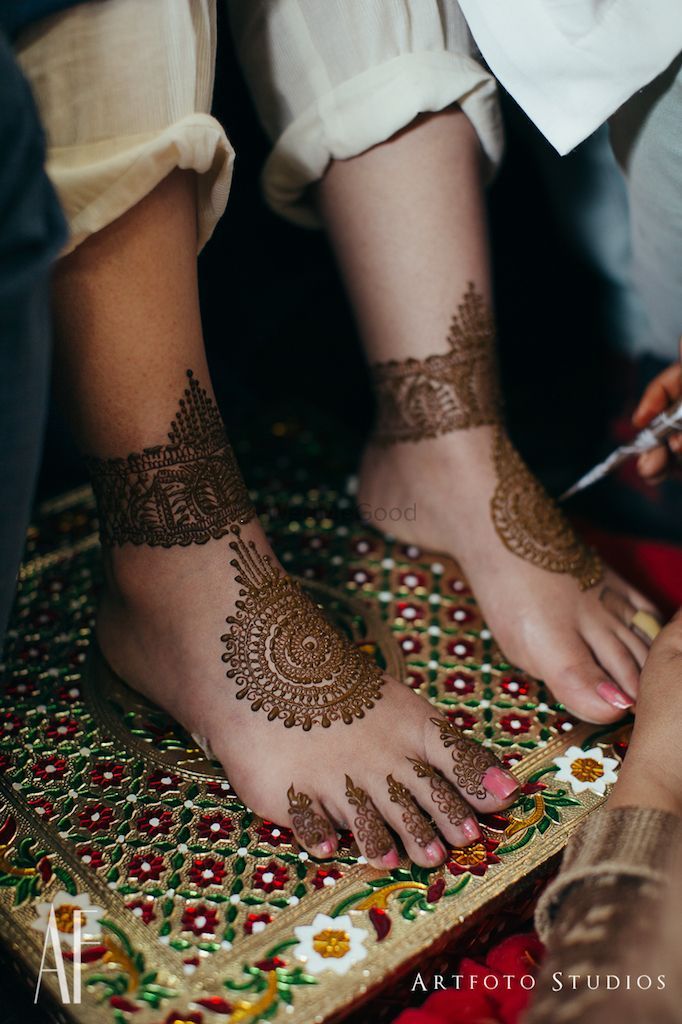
477,771
368,826
310,828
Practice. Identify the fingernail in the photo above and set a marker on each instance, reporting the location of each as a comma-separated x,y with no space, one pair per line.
500,783
326,847
391,859
614,696
471,829
434,851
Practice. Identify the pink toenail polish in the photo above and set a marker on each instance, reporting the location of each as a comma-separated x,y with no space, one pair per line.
391,859
471,829
434,851
500,783
326,848
612,695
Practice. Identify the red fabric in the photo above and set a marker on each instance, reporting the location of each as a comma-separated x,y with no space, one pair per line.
652,567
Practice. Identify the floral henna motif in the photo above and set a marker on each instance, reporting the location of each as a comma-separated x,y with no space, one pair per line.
370,832
309,826
184,492
423,398
285,656
414,821
531,526
471,761
448,802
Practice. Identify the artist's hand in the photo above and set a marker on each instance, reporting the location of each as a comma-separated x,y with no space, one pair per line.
665,389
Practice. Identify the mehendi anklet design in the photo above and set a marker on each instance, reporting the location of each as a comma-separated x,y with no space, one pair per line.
414,821
470,760
370,832
308,825
423,398
529,523
448,802
186,492
285,656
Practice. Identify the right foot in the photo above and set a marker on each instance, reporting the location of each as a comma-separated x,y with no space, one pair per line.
161,619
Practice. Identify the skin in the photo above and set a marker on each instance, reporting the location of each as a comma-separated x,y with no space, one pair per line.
128,327
407,221
665,389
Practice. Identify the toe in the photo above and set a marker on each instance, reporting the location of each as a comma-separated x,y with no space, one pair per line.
402,812
616,659
369,828
470,767
311,826
452,815
584,687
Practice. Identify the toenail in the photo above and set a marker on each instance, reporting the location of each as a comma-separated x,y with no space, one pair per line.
471,830
434,851
614,696
391,859
500,783
326,847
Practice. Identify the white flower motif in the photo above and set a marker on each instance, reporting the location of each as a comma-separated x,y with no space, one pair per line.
65,906
330,944
586,769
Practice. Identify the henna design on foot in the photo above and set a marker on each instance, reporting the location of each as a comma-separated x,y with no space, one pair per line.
423,398
470,760
447,800
186,492
414,821
310,827
531,525
286,657
370,832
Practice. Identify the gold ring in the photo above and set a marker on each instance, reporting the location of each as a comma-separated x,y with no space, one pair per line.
645,623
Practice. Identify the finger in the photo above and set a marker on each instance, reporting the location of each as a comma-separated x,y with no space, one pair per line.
369,829
404,815
653,463
311,826
450,812
663,390
471,768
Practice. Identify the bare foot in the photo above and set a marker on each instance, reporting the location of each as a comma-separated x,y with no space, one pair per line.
541,591
308,731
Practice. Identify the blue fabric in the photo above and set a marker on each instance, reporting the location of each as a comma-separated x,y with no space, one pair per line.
15,15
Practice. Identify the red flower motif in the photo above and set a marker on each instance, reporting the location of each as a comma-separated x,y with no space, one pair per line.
155,821
460,683
107,774
49,769
462,719
144,909
256,923
411,551
562,723
274,834
461,615
43,808
61,729
360,577
163,782
271,964
146,867
409,612
458,586
21,687
218,788
69,692
326,876
411,645
200,919
515,686
363,546
95,817
411,579
11,723
474,859
91,855
215,826
207,871
515,724
270,876
460,648
511,759
415,679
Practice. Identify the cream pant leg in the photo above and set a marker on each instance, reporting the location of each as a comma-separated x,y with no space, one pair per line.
332,78
124,92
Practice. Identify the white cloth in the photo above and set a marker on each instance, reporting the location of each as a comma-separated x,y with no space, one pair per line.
124,90
331,78
571,63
